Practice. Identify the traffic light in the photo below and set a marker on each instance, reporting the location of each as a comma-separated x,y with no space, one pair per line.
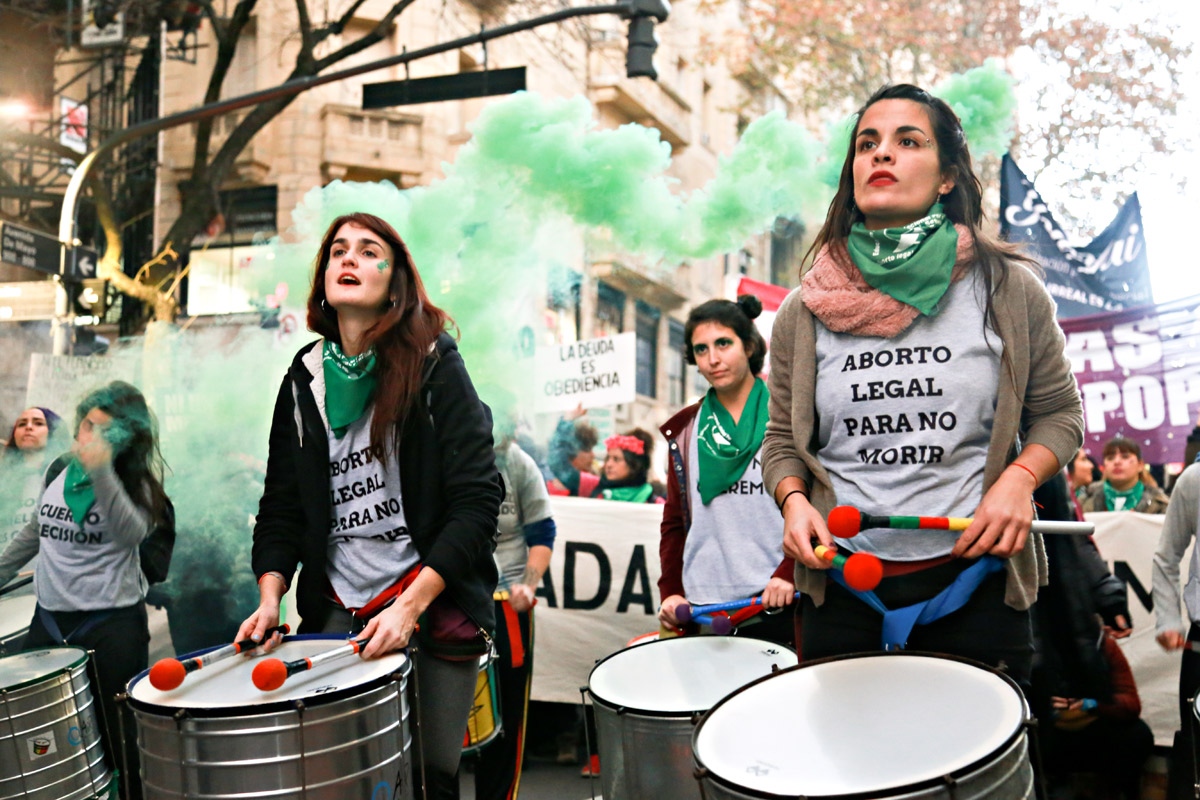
639,57
91,297
104,13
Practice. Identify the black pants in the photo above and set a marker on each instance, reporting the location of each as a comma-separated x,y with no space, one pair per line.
1113,748
498,772
1184,767
984,629
121,647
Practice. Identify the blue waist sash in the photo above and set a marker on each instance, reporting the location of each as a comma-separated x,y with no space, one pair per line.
898,623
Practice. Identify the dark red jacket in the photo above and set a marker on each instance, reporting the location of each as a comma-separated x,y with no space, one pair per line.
677,513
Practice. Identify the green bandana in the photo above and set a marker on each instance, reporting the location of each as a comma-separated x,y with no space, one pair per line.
726,448
912,263
1129,498
349,382
629,494
78,491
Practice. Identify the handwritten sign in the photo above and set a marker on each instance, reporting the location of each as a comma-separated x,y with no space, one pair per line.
595,372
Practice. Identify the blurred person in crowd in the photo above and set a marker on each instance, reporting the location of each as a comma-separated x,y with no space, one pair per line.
1082,473
720,540
571,461
1172,631
626,474
1191,451
30,449
1124,486
1081,680
97,508
524,543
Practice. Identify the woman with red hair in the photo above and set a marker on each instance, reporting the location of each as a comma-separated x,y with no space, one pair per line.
381,414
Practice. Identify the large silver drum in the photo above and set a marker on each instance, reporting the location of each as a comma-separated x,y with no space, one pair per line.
49,734
16,611
648,698
338,731
900,725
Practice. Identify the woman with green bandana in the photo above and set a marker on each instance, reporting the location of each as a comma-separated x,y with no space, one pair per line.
917,370
92,518
1122,488
720,529
625,477
381,481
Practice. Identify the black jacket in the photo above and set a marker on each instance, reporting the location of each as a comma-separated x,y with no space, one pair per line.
450,486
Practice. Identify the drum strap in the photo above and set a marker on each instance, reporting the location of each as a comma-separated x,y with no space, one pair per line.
513,625
89,623
898,623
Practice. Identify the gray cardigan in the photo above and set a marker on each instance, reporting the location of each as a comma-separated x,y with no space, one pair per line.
1038,402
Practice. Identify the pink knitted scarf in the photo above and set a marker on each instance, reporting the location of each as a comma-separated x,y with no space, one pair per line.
838,295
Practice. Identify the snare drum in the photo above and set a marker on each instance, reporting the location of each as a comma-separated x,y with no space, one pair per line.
902,725
16,612
484,724
340,730
648,697
49,736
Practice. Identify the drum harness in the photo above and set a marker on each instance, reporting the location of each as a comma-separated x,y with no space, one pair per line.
899,622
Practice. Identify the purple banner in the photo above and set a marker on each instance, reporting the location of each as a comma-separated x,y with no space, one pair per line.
1139,375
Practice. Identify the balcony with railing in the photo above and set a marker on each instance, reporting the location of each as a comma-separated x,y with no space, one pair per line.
386,143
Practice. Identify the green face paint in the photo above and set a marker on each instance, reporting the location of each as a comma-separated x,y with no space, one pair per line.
382,265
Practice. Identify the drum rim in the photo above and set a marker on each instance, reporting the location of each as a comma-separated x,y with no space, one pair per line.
899,789
259,709
61,670
646,712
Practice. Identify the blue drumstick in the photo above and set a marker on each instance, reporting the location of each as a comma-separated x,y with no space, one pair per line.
685,612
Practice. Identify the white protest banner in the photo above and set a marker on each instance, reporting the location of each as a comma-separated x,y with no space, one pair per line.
1127,542
595,372
60,382
601,590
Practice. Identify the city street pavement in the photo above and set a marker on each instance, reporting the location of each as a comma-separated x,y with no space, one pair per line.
542,779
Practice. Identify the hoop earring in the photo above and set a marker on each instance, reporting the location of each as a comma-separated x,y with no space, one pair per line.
327,309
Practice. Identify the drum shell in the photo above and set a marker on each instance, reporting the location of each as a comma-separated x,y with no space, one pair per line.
350,743
484,723
61,708
1004,774
644,756
1008,777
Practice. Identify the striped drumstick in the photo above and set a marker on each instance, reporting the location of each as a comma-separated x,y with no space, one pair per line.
270,673
862,571
168,673
847,521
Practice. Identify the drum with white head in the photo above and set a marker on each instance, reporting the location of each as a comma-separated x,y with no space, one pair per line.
337,731
648,697
901,725
49,731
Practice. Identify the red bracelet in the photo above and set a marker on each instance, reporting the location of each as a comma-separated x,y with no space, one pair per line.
1027,469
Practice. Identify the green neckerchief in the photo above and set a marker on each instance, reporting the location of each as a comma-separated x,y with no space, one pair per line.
725,447
78,491
629,494
912,263
1132,496
349,382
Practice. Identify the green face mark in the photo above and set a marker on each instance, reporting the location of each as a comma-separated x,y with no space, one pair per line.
382,265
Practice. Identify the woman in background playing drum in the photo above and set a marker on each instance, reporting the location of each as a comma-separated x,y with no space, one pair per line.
381,480
903,370
92,517
23,466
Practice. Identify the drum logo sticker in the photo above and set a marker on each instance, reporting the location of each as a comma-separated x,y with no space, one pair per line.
41,745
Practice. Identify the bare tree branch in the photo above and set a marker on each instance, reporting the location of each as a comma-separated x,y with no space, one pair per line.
362,43
334,28
306,31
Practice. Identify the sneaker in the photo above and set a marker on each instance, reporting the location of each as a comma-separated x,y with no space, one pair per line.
591,769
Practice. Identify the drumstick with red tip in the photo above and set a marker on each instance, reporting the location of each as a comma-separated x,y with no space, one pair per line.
862,571
270,673
168,673
847,521
685,612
